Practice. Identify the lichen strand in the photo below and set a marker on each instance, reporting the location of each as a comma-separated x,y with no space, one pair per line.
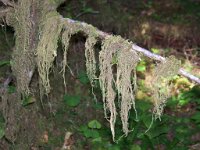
90,58
23,58
116,50
126,64
161,87
47,47
106,79
66,35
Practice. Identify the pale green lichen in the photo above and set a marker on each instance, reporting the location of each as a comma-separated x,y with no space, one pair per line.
47,47
23,56
127,61
115,47
161,87
114,82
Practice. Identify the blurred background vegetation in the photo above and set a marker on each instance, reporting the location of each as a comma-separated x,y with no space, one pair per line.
164,27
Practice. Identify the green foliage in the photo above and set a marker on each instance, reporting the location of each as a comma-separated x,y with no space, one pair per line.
94,124
83,78
72,100
11,89
141,67
155,50
180,128
90,133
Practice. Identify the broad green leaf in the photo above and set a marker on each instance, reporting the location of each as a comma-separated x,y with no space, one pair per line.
94,124
72,100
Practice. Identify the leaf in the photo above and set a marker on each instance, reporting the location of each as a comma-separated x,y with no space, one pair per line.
72,100
94,124
89,133
135,147
28,100
83,78
155,50
141,68
196,117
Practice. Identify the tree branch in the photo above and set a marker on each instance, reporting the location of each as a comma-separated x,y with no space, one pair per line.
145,52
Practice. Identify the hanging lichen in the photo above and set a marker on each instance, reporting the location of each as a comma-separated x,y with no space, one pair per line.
126,64
47,47
23,55
161,87
106,79
90,31
116,50
66,35
117,82
90,58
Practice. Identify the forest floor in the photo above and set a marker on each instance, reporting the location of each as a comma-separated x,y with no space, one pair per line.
164,27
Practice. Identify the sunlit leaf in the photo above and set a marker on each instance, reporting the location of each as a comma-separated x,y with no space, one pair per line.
94,124
155,50
141,68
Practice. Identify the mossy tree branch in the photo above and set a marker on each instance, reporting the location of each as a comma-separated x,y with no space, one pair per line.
145,52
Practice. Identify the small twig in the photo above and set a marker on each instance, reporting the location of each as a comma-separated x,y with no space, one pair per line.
137,48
